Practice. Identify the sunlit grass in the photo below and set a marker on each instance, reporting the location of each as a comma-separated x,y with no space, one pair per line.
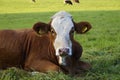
23,6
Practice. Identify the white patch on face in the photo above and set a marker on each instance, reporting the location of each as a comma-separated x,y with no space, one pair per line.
62,24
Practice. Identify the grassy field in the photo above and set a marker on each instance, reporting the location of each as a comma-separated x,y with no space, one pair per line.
101,45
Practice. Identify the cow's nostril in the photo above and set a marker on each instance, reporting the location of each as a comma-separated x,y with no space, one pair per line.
60,50
67,50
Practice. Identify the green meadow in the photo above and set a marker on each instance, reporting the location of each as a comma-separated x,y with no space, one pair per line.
101,44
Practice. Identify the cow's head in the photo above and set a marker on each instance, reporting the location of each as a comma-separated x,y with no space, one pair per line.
61,30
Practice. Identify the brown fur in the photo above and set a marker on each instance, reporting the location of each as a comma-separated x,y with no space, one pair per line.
32,51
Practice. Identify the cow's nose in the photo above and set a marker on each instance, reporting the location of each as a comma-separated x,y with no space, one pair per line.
64,51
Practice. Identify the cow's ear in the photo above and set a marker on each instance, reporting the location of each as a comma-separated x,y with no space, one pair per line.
41,28
82,27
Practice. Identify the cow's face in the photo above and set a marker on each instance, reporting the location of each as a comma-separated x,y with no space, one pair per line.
63,27
61,30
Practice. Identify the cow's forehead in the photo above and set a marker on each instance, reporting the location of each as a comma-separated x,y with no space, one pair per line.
61,14
62,22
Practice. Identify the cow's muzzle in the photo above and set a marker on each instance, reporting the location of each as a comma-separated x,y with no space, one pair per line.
64,52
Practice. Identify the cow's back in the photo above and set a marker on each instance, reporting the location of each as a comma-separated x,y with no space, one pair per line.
11,48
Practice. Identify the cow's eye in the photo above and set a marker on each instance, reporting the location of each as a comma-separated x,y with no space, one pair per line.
72,30
52,31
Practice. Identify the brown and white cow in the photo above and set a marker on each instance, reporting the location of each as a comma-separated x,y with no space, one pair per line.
70,2
46,47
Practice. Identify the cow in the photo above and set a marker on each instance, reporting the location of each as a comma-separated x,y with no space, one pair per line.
70,2
46,47
65,1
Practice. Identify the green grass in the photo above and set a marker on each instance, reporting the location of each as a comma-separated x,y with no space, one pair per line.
101,44
23,6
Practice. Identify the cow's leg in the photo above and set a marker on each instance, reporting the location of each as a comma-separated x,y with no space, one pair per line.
79,67
42,66
83,65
